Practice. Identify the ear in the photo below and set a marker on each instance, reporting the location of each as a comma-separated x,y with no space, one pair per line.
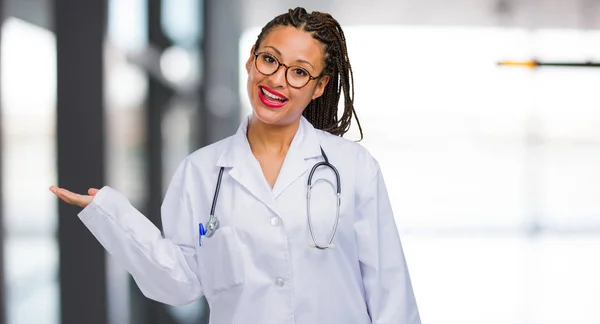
321,84
250,59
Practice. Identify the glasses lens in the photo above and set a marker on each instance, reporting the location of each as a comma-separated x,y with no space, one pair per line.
297,76
266,63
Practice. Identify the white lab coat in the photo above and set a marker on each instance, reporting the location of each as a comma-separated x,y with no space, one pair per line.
259,267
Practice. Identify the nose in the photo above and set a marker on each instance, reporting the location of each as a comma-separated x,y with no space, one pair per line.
278,78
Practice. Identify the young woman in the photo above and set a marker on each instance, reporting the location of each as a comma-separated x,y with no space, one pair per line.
283,222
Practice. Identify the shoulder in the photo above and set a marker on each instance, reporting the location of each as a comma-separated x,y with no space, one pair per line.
209,154
348,151
201,161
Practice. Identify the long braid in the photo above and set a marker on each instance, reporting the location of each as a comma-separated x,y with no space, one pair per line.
322,112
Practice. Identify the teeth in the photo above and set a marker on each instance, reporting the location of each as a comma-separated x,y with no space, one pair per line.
270,95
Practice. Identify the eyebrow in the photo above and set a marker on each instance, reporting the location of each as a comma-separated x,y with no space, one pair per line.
299,60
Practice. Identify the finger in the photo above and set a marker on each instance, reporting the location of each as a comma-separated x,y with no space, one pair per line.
74,198
59,193
93,191
65,195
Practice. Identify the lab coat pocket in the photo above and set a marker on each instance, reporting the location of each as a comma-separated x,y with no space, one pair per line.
220,262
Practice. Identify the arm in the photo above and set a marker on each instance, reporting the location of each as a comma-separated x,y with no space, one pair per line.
163,268
389,293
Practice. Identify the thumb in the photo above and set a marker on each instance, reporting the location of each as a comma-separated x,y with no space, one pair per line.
93,191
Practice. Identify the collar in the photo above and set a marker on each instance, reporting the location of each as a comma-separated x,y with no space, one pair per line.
305,144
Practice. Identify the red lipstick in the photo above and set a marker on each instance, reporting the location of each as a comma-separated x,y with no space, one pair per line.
270,98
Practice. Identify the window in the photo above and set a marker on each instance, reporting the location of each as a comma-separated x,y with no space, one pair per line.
493,173
29,155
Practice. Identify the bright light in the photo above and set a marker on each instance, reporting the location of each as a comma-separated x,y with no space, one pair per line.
176,65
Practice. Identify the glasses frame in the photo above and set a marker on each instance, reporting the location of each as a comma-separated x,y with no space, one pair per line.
310,77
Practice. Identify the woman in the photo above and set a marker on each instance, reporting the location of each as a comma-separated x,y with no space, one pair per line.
278,254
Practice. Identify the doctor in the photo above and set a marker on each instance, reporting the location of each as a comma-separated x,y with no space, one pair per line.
243,224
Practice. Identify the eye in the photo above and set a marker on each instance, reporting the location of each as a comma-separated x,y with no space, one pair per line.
268,58
300,72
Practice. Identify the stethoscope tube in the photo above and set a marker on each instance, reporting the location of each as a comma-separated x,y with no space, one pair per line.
213,222
339,201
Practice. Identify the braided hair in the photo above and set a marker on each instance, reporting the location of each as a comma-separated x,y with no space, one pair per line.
322,112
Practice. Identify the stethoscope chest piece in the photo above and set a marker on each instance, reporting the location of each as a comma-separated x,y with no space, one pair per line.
212,226
209,230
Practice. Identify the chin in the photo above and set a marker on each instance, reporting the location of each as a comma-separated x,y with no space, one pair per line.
278,117
269,116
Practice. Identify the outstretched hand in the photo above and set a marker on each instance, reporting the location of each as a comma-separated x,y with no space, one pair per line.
73,198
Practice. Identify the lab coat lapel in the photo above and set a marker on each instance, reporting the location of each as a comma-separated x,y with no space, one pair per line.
303,148
245,169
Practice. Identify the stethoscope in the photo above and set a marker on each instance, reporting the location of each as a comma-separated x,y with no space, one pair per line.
213,222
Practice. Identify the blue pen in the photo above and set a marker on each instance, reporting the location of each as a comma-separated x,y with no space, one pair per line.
201,232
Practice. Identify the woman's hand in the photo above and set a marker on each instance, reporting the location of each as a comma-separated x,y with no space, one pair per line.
73,198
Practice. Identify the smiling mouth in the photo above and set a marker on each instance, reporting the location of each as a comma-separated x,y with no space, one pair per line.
271,98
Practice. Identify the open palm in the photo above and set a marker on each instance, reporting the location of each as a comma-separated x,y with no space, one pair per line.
74,198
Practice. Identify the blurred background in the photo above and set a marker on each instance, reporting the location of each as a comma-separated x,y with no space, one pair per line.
493,172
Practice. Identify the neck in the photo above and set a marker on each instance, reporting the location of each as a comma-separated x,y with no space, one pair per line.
270,139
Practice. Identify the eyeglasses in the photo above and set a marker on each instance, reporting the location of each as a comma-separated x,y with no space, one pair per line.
296,76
